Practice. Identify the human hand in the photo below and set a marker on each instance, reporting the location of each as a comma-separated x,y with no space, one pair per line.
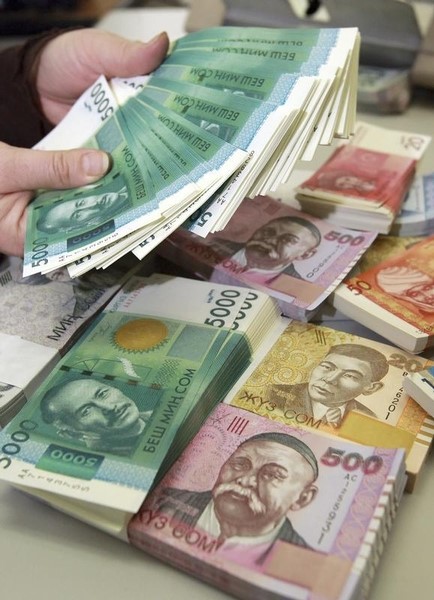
67,66
71,62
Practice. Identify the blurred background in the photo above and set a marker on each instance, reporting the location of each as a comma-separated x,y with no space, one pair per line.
397,52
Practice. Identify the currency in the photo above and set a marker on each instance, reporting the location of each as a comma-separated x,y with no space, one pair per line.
107,416
254,142
270,246
326,114
41,316
384,247
365,180
420,386
321,379
416,217
52,309
394,297
254,507
12,399
94,106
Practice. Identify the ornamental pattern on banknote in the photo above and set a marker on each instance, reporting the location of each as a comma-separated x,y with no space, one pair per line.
289,383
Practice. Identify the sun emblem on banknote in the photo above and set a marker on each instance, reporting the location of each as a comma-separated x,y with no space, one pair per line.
141,335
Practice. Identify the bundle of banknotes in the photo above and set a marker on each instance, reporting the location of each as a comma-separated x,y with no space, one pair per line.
261,509
41,316
417,212
270,246
132,392
364,182
226,116
394,297
420,385
342,384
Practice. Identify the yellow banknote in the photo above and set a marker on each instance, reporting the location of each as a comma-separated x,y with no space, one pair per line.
351,387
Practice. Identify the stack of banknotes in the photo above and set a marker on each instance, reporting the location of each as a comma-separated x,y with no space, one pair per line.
420,385
417,212
132,392
41,316
364,182
342,384
394,297
270,246
226,116
261,509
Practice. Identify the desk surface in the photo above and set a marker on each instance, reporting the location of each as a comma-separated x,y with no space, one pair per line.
46,555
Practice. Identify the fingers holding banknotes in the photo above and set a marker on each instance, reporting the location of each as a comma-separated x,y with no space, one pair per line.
71,62
67,65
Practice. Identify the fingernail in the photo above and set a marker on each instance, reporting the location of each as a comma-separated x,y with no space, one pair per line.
157,37
95,164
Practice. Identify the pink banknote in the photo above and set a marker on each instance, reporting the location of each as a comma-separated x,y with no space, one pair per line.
256,507
268,245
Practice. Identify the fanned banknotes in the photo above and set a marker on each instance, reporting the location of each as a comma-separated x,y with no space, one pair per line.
296,258
322,379
148,371
248,141
395,297
260,509
365,181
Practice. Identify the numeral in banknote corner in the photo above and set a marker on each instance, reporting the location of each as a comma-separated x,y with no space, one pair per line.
70,462
352,461
203,219
336,236
17,438
238,425
39,252
101,101
359,287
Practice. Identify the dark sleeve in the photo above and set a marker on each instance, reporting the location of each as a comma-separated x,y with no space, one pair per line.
21,120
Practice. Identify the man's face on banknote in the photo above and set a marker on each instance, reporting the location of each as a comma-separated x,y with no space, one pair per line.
352,182
86,405
78,212
259,483
277,244
423,295
339,378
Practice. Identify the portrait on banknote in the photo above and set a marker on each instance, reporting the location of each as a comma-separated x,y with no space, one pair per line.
96,413
355,172
346,372
90,209
402,284
408,284
254,515
272,248
257,498
322,378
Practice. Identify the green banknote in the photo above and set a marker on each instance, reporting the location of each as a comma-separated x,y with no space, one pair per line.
298,38
101,425
253,78
172,186
189,163
254,126
235,119
105,419
72,223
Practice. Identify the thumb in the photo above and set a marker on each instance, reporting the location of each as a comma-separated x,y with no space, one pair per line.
23,169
